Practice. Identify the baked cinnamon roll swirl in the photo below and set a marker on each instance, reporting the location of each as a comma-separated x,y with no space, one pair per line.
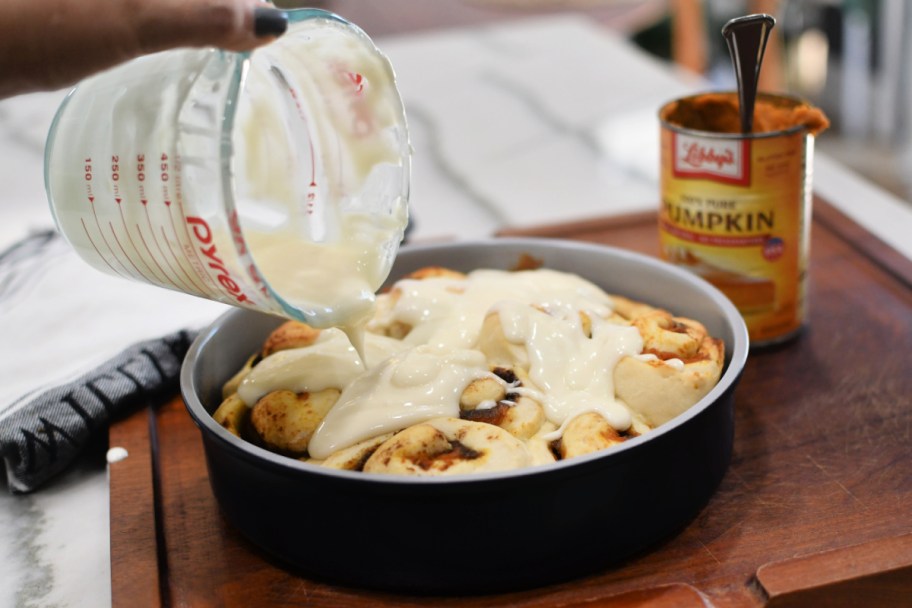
353,457
679,365
449,446
285,421
485,371
492,402
291,334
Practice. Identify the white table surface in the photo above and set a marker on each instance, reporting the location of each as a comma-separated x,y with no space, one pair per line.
535,121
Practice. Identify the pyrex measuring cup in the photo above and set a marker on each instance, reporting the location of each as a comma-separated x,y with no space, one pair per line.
275,180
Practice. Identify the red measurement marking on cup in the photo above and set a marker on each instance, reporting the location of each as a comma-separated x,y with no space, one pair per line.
115,169
168,278
144,259
174,277
311,195
87,167
127,255
89,176
362,118
141,177
184,285
115,177
164,176
140,186
98,251
357,80
111,249
197,286
199,268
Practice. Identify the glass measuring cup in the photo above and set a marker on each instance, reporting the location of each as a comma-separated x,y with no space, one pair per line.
275,180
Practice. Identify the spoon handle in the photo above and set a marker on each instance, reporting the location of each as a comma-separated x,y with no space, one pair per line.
746,38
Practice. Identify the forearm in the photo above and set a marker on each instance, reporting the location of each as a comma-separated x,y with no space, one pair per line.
47,44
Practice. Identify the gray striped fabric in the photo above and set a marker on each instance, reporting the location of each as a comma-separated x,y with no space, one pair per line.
42,434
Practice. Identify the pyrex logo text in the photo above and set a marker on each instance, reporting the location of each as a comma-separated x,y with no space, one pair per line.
203,233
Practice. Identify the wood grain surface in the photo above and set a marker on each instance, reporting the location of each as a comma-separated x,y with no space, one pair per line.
816,507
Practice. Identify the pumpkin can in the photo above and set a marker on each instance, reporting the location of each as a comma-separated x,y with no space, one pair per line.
736,207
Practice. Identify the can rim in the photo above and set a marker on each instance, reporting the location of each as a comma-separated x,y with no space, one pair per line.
786,100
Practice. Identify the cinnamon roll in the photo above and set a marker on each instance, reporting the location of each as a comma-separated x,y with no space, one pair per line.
470,372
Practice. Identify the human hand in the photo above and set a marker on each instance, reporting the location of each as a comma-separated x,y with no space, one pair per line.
48,44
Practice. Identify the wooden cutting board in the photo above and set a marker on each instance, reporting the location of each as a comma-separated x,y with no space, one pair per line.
816,508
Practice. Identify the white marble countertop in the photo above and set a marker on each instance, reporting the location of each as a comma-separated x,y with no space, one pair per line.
536,121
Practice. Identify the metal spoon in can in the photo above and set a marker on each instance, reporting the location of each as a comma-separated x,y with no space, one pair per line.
746,38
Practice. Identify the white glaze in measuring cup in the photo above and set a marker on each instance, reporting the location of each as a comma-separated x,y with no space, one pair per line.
275,180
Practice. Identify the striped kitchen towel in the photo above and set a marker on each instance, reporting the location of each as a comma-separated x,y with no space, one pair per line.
78,349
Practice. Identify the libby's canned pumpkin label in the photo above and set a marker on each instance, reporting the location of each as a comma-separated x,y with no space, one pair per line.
736,208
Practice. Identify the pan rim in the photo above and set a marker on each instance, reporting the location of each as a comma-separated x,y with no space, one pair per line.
736,357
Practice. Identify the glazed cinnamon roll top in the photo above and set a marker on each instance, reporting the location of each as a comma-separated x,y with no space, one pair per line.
475,371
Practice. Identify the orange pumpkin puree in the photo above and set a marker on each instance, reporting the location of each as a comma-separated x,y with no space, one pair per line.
718,113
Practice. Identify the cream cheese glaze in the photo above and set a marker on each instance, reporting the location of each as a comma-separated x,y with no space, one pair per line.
416,385
330,362
574,372
676,363
449,312
336,278
571,371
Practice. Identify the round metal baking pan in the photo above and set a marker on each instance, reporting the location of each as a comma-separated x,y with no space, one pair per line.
477,533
